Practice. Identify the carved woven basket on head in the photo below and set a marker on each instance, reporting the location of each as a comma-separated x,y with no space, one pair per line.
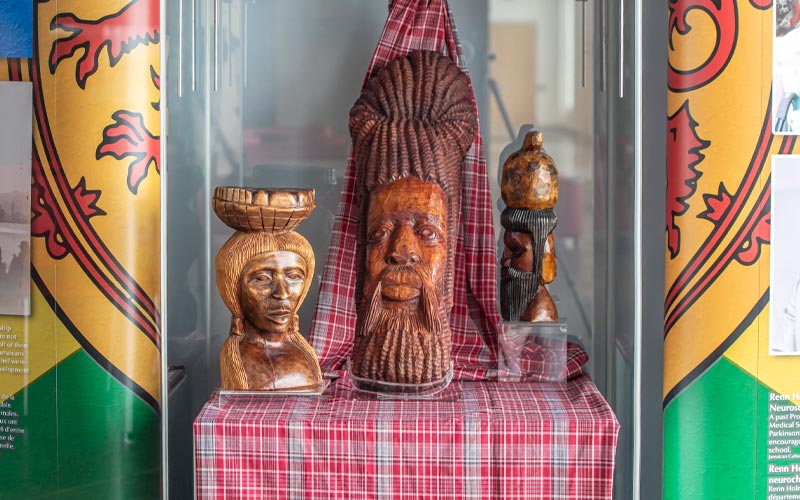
273,211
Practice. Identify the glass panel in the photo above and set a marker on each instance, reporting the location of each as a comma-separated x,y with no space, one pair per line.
259,95
305,66
539,75
614,233
189,339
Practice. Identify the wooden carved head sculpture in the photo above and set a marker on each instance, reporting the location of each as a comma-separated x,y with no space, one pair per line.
264,272
529,188
411,128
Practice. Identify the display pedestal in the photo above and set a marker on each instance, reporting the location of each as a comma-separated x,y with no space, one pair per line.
533,351
388,390
492,440
225,397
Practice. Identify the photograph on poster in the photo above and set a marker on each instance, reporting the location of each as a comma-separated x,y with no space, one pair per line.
784,331
15,197
786,68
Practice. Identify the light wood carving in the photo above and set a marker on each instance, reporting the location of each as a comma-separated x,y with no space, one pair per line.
263,274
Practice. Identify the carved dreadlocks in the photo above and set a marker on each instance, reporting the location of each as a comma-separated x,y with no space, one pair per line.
414,119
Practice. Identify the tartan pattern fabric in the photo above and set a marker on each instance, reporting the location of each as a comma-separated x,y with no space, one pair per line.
415,25
480,440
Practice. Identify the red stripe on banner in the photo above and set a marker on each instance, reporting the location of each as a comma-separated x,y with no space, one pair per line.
149,324
86,263
787,145
15,70
88,347
87,230
713,240
721,263
724,14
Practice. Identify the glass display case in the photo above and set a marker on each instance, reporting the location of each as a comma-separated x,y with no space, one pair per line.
258,92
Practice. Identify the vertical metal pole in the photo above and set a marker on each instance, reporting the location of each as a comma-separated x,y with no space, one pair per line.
583,42
638,324
216,45
244,22
622,49
164,382
603,44
228,39
194,45
180,49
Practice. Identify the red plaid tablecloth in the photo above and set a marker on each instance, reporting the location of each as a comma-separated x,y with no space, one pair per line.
481,440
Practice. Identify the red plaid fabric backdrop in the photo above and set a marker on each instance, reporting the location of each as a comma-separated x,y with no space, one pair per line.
424,25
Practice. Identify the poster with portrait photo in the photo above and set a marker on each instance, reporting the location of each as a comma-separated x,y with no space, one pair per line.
786,67
784,328
15,197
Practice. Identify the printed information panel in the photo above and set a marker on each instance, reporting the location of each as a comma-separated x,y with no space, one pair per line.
783,454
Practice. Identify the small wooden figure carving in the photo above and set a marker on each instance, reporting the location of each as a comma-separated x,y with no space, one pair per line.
263,274
530,190
411,129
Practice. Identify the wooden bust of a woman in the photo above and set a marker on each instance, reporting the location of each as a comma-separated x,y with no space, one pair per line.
263,274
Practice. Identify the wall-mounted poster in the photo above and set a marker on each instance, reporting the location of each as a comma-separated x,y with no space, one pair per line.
80,377
785,264
15,197
16,28
786,67
731,358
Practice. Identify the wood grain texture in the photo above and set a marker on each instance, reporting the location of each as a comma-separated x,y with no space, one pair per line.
529,188
530,178
411,127
264,272
402,336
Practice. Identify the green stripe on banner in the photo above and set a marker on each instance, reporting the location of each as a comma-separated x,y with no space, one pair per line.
715,437
86,437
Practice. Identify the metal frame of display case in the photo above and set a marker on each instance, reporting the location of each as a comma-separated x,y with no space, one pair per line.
632,78
637,79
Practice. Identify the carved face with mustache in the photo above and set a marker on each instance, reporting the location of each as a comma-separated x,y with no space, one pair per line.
403,335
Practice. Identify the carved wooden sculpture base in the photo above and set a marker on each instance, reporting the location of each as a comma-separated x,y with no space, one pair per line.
403,339
530,190
411,128
263,273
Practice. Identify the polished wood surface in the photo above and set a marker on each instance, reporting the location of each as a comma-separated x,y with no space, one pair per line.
518,251
530,178
273,211
405,228
412,126
403,340
549,259
263,273
270,290
529,188
541,308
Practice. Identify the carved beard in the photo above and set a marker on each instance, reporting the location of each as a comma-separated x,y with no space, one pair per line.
400,345
517,289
